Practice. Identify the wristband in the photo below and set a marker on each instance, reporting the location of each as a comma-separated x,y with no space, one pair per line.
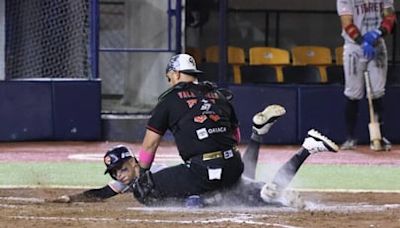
353,33
387,24
146,157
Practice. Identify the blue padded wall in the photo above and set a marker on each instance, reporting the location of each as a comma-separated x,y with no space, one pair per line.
25,111
77,108
310,106
50,110
323,108
391,114
250,99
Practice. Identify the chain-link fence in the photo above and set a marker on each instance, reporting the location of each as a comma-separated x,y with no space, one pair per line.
48,39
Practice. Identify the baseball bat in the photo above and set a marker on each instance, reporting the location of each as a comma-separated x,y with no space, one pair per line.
373,126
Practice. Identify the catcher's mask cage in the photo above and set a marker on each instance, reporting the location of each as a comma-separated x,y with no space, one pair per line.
115,157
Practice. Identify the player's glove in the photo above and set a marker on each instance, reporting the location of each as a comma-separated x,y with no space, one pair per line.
368,50
143,186
372,37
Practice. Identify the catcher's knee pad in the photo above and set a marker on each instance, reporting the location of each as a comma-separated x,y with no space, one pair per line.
143,188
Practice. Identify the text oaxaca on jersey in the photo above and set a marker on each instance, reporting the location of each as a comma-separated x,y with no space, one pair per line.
216,130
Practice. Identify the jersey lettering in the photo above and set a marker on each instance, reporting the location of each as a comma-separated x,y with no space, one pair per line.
205,107
369,7
186,94
191,102
216,130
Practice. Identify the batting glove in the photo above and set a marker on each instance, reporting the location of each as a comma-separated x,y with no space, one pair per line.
372,36
368,50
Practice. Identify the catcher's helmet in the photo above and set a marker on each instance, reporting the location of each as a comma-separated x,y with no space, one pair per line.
116,156
183,63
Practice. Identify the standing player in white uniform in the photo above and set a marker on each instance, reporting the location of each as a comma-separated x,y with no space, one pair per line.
364,24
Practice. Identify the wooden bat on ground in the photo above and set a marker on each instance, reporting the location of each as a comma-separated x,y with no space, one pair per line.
373,126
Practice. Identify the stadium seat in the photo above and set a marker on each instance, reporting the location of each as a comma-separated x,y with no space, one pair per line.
196,53
393,75
258,74
211,72
236,58
335,74
301,74
269,56
313,55
339,55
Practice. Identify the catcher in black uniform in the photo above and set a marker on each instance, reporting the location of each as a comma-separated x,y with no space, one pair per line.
206,132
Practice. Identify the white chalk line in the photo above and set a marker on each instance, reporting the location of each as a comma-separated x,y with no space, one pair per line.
239,219
23,199
311,206
48,186
11,206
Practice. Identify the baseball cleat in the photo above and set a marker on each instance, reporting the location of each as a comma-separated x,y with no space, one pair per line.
349,144
270,193
194,201
316,142
385,145
263,121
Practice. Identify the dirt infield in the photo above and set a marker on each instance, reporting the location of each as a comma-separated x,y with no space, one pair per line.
25,208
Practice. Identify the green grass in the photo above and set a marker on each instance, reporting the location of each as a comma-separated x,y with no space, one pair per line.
53,173
352,177
310,176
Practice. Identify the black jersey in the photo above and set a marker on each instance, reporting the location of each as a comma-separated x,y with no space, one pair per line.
200,117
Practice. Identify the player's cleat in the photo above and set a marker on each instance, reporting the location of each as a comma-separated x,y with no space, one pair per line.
385,145
316,142
273,195
263,121
194,201
349,144
270,193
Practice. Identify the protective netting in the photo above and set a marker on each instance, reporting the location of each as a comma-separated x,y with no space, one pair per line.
47,39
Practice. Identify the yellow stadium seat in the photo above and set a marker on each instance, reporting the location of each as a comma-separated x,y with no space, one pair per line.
275,57
236,58
339,55
313,55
